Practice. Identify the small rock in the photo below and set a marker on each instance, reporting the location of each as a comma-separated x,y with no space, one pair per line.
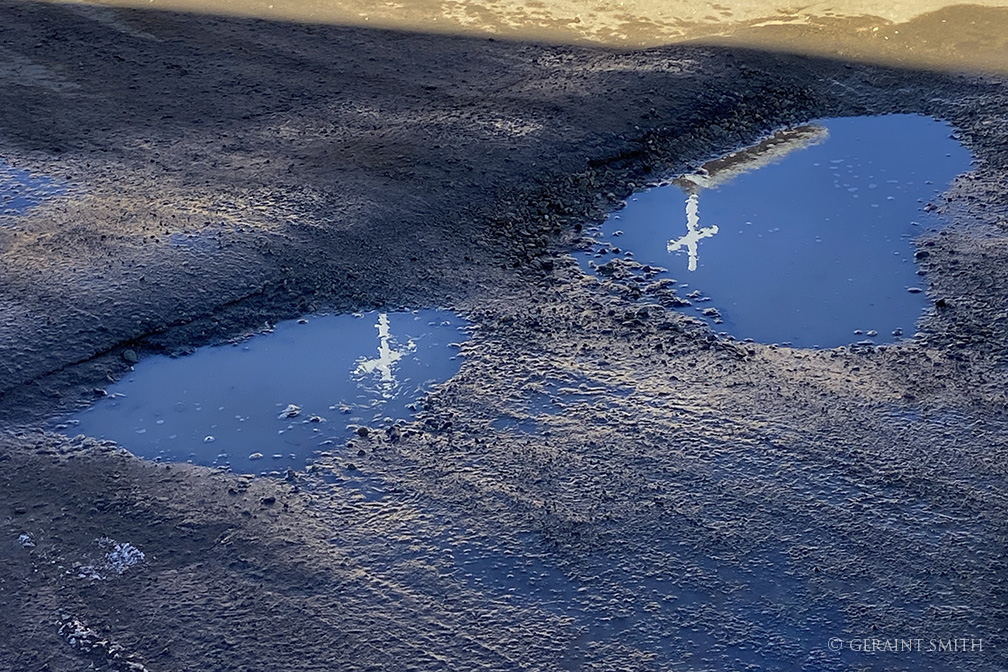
351,466
123,556
871,333
292,411
26,541
208,439
363,431
914,290
269,500
255,456
130,356
316,418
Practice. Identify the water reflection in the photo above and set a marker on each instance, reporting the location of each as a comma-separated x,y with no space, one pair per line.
20,190
387,357
720,171
272,401
693,234
812,247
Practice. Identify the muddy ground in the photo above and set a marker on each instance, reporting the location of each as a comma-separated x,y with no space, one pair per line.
691,503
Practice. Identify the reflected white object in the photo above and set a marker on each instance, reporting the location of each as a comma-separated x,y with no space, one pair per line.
387,357
721,171
693,233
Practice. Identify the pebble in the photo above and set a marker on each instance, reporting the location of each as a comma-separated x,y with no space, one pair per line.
292,411
130,356
914,290
255,456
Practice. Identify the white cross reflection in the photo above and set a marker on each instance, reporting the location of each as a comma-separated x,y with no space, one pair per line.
693,234
387,357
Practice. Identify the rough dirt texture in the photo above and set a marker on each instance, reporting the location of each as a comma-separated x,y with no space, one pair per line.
605,485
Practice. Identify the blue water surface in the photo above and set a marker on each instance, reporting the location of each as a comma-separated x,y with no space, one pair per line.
230,405
814,249
20,190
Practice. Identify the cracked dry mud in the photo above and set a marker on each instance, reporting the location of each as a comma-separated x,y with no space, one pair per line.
657,498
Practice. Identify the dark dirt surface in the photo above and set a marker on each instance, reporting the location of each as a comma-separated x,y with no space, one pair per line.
655,497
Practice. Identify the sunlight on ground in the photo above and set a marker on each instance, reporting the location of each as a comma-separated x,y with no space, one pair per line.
925,33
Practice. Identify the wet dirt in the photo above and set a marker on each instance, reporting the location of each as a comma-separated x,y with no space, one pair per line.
696,503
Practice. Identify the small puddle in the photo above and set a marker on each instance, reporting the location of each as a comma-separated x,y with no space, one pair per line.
805,238
21,191
273,401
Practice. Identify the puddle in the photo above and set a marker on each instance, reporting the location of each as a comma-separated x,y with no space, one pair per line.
805,238
273,401
20,190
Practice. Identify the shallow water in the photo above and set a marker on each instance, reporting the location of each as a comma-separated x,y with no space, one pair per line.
230,405
20,190
807,241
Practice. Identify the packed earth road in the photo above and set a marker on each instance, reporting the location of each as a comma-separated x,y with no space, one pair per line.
695,503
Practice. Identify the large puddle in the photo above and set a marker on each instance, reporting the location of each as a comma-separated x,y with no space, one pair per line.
273,401
20,190
805,238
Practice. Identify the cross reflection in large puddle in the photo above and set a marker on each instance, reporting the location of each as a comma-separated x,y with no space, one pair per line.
806,237
270,402
715,173
693,233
